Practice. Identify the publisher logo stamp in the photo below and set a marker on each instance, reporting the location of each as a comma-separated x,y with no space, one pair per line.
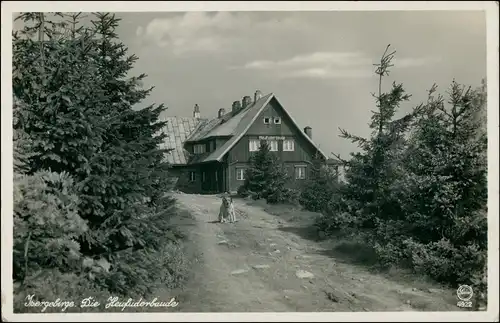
464,294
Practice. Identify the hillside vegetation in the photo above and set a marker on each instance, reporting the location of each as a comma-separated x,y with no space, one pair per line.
416,191
91,213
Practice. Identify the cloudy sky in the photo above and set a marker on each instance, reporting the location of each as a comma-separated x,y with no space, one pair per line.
319,64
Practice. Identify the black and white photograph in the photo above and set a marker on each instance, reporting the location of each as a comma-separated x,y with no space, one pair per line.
250,161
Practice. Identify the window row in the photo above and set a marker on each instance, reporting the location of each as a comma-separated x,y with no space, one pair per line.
299,172
192,176
202,148
254,145
276,120
288,145
199,148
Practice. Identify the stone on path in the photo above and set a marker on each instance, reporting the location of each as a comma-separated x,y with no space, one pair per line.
261,266
303,274
239,271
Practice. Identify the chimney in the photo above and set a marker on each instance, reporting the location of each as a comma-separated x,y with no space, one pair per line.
308,131
196,111
222,112
257,96
236,107
246,101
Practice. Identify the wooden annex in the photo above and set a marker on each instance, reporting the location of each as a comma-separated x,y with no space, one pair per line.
211,155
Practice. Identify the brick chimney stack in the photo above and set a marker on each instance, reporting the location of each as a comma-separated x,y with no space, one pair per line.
308,131
196,112
257,95
236,107
247,100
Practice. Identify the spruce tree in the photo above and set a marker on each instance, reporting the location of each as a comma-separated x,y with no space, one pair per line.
81,111
53,83
319,188
125,191
371,172
444,191
265,178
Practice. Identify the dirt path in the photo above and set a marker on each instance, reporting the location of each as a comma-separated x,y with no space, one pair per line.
262,263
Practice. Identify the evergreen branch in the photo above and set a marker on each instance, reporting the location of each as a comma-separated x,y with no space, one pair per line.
355,139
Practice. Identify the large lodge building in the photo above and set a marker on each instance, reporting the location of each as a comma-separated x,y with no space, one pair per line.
211,155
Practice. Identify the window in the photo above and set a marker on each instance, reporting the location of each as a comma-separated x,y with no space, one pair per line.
267,120
254,144
240,174
212,146
199,148
216,177
277,120
300,172
192,176
273,145
288,145
203,176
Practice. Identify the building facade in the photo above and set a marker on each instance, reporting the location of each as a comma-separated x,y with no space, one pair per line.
211,155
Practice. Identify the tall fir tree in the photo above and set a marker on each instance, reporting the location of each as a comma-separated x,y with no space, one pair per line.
371,171
53,82
125,192
444,191
80,110
266,177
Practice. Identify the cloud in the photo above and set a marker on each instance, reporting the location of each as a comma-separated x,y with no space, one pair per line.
328,65
192,31
316,58
316,65
139,31
219,31
328,73
243,35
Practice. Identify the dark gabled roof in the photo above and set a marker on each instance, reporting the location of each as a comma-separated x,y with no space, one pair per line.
229,124
177,130
184,130
238,127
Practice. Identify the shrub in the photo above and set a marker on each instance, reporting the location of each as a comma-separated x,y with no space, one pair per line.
50,285
266,177
46,223
284,195
91,207
417,187
140,272
318,191
314,197
319,188
242,191
445,262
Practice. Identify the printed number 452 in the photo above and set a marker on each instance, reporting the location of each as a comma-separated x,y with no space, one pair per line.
464,304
